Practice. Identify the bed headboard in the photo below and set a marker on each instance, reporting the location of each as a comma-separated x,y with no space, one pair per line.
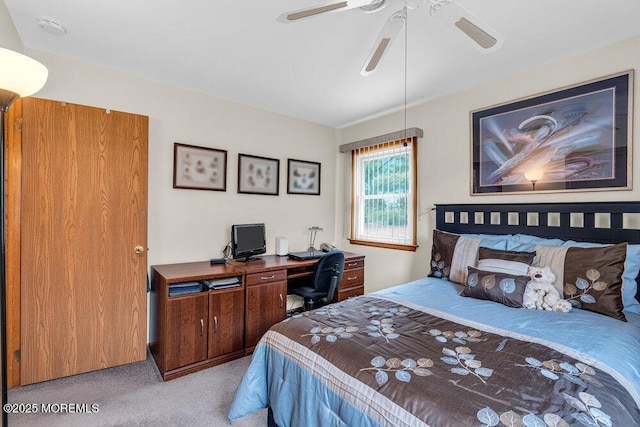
602,222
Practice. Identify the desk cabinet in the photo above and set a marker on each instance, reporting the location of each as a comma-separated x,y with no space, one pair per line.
186,340
266,306
198,330
352,283
226,322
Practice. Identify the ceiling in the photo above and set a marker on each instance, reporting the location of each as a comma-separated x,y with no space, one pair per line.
310,69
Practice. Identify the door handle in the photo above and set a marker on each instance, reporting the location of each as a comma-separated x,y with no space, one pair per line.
201,327
281,301
138,250
215,324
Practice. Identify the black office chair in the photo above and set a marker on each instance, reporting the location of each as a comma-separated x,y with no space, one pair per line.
326,276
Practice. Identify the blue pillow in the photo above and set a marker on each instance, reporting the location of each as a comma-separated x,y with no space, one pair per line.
491,241
527,243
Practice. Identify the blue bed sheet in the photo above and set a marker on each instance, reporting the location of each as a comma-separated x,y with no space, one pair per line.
298,399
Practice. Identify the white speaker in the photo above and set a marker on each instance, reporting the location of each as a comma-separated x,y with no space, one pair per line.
282,246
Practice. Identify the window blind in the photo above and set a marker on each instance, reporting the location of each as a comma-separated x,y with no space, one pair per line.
383,193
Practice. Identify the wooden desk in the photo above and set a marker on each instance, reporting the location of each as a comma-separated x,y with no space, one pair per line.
203,329
352,280
266,282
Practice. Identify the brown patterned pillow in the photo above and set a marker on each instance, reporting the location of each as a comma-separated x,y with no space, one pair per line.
593,279
494,286
590,278
451,254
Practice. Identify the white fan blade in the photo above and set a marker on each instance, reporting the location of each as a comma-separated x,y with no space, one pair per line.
390,30
331,6
486,38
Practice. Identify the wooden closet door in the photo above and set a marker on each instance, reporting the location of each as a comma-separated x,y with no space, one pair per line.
84,210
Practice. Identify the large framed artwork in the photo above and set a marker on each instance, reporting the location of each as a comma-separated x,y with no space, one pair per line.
578,138
258,175
199,168
303,177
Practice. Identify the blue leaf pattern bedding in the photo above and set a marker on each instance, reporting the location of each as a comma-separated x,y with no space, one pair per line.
442,360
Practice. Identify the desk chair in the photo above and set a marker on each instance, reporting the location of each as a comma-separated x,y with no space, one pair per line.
324,281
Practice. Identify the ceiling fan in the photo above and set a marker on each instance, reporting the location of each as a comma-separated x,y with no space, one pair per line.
484,37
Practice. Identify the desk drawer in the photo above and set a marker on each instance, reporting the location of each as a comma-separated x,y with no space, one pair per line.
351,278
353,264
266,277
348,293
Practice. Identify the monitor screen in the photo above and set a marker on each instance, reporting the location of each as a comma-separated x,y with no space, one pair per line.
248,240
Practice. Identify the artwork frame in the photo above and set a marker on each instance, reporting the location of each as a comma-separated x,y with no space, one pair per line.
258,175
577,138
303,177
209,172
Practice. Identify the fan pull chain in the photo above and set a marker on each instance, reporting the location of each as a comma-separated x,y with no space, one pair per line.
406,43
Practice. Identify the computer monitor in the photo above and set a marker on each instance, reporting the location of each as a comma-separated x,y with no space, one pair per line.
248,240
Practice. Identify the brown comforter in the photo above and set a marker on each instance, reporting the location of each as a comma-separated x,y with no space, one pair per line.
405,367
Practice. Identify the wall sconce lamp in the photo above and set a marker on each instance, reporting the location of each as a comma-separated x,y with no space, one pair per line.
19,76
533,176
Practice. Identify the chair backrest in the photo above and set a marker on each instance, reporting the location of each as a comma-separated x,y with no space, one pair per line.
323,270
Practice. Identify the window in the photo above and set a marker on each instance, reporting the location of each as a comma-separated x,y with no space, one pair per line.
384,195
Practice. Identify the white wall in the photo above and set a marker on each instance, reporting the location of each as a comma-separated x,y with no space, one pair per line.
9,38
444,153
194,225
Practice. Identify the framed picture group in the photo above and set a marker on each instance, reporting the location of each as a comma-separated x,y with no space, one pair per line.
203,168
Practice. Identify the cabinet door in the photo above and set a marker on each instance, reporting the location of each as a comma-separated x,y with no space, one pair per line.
266,305
226,322
186,330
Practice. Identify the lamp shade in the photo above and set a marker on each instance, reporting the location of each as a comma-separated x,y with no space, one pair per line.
533,175
21,74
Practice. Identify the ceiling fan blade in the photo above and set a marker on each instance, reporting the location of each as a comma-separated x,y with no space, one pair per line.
326,7
484,37
390,30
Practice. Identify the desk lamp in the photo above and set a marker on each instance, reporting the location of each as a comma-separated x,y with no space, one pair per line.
312,237
19,76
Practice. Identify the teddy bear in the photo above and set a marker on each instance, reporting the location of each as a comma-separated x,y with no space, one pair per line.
541,294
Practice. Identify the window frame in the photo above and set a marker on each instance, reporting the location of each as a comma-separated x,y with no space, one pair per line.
412,194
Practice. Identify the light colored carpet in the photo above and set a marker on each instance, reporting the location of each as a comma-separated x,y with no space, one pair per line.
135,395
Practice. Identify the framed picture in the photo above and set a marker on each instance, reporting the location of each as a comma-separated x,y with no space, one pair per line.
573,139
199,168
258,175
303,177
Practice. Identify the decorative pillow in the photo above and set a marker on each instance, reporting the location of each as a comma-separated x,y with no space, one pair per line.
591,278
451,254
529,240
508,262
629,277
504,288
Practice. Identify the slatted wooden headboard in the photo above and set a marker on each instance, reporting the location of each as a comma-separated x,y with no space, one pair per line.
601,222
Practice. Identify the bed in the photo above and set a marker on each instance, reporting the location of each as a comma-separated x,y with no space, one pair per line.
423,354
